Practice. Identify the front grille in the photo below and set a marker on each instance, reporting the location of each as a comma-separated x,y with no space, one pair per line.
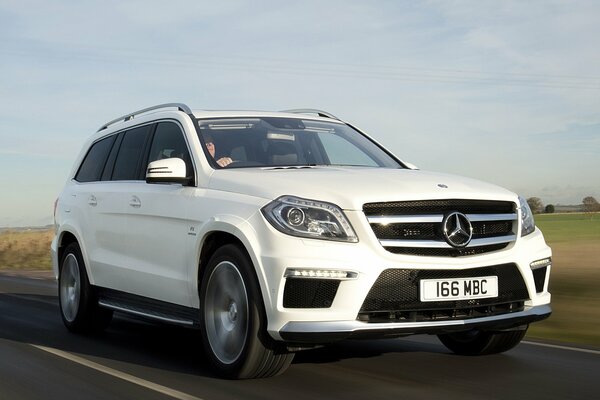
309,293
396,295
415,227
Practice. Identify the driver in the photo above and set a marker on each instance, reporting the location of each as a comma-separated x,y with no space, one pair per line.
210,146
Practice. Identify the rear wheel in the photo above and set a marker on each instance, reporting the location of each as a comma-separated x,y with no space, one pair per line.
476,342
78,305
233,321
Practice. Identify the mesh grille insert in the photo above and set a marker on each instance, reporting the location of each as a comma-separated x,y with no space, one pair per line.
309,293
539,276
439,206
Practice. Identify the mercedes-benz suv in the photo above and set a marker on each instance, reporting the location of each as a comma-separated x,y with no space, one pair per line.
271,232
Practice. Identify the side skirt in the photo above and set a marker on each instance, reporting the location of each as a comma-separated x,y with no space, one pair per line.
147,308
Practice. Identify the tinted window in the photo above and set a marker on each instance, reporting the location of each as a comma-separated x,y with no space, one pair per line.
127,164
93,163
169,142
112,156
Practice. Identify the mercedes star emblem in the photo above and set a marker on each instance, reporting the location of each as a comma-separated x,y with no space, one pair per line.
457,229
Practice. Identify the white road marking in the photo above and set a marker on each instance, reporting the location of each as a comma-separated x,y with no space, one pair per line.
118,374
554,346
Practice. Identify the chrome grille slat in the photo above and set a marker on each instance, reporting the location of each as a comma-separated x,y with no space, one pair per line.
435,244
404,219
411,219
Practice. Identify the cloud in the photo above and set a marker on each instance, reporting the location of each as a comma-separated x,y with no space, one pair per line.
511,88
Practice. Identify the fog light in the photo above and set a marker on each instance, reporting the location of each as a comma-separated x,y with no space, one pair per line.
544,262
319,274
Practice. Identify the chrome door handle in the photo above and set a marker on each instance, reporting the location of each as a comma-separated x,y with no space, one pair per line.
135,202
92,201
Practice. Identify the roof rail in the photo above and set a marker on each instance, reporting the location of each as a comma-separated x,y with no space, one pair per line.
179,106
320,113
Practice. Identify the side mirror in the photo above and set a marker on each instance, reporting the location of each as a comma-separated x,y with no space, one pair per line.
168,170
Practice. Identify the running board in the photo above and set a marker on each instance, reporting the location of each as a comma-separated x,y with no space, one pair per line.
147,308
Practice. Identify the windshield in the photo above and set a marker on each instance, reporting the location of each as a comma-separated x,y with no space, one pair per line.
282,142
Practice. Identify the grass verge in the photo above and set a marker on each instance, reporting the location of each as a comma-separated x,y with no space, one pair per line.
25,249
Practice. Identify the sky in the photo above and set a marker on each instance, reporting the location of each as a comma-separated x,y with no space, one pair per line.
507,92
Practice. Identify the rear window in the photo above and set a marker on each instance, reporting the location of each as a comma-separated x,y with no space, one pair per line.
93,163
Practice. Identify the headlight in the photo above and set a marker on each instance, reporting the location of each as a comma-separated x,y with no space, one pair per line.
309,218
527,222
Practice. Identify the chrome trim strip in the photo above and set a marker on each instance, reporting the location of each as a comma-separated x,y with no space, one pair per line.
405,219
434,218
357,326
143,314
430,244
435,244
491,217
492,240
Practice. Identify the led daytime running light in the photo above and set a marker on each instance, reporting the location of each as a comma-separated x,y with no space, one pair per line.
319,274
541,263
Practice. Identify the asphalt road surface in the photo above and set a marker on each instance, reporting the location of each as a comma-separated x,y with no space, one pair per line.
134,359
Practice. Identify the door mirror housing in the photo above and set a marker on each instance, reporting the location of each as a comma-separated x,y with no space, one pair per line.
168,170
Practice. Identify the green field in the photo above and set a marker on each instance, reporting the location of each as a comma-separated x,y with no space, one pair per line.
574,283
575,278
562,228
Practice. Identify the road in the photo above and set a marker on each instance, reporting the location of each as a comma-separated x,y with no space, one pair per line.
134,359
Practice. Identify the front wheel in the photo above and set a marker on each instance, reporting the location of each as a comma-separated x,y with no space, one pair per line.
476,342
233,321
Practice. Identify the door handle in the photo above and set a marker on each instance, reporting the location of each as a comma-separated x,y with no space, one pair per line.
92,201
135,202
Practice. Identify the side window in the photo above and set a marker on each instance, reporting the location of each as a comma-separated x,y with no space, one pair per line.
127,164
169,142
93,163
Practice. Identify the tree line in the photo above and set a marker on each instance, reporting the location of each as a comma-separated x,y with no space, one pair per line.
589,204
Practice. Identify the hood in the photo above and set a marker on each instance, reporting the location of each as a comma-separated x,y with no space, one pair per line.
351,187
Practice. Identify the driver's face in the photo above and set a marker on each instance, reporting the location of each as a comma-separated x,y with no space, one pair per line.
210,146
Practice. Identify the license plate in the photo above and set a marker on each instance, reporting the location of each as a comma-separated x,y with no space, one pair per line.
459,288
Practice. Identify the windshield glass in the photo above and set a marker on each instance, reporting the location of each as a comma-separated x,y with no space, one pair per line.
281,142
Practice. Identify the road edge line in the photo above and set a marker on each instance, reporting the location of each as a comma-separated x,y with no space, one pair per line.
555,346
118,374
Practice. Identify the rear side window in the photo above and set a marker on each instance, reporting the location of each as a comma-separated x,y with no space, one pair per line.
93,163
127,164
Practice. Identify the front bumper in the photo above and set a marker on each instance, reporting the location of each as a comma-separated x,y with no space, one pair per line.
325,332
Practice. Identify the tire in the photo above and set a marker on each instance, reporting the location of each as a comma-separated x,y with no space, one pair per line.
476,342
78,304
233,321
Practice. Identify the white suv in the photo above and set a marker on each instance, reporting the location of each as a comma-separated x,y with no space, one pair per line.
271,232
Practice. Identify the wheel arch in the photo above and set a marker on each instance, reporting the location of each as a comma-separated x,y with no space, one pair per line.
222,234
65,237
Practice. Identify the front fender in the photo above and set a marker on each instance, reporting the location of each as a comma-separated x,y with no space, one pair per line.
245,233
